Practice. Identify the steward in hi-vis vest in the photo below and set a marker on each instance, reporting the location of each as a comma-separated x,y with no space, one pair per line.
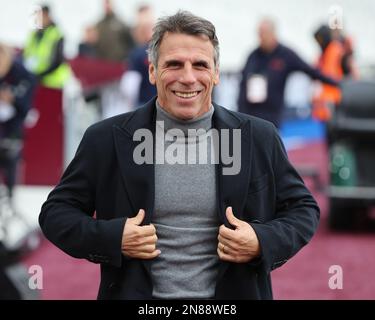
43,53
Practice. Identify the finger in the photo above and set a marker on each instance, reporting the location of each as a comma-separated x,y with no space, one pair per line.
138,242
231,218
223,248
224,256
152,226
146,255
227,249
223,227
151,239
149,248
228,243
145,248
141,241
232,257
150,255
220,246
221,236
146,231
137,220
227,233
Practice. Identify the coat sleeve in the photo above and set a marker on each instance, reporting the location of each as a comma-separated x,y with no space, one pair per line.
67,217
296,217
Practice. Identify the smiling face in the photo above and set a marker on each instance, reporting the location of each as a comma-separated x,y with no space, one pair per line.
185,75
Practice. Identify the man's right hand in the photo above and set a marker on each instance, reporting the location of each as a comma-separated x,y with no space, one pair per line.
139,241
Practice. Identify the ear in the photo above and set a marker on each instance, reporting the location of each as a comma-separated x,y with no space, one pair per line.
216,76
152,74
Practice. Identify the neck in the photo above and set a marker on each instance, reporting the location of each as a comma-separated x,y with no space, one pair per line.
270,47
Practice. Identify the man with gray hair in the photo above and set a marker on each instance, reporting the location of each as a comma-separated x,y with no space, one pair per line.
181,229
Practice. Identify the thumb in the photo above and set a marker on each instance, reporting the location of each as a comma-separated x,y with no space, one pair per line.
137,220
231,218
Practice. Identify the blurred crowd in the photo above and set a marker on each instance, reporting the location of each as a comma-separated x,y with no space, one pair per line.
113,48
112,68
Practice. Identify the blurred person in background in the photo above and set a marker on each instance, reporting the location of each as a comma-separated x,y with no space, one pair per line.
87,47
16,94
265,73
113,45
330,62
114,38
181,229
336,60
348,64
43,54
145,21
135,83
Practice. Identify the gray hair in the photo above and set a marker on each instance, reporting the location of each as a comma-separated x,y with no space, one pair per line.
186,23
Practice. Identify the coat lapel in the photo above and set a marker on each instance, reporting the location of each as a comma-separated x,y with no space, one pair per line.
139,180
232,189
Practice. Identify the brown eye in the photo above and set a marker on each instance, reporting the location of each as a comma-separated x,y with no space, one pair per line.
201,65
173,64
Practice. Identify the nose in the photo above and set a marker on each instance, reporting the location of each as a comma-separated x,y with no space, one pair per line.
187,75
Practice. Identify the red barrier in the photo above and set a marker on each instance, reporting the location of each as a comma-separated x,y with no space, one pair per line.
94,73
43,149
43,156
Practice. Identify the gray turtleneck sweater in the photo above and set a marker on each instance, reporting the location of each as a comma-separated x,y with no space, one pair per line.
185,217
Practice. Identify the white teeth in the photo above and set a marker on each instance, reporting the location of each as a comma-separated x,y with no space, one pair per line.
186,94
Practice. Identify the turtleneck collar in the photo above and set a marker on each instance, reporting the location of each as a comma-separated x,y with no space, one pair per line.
171,122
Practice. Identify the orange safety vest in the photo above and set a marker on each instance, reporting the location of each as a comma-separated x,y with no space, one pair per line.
329,96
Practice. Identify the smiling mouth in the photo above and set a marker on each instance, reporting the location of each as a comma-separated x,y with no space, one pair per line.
186,95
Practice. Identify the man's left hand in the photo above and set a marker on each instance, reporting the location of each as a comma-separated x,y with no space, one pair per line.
239,245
